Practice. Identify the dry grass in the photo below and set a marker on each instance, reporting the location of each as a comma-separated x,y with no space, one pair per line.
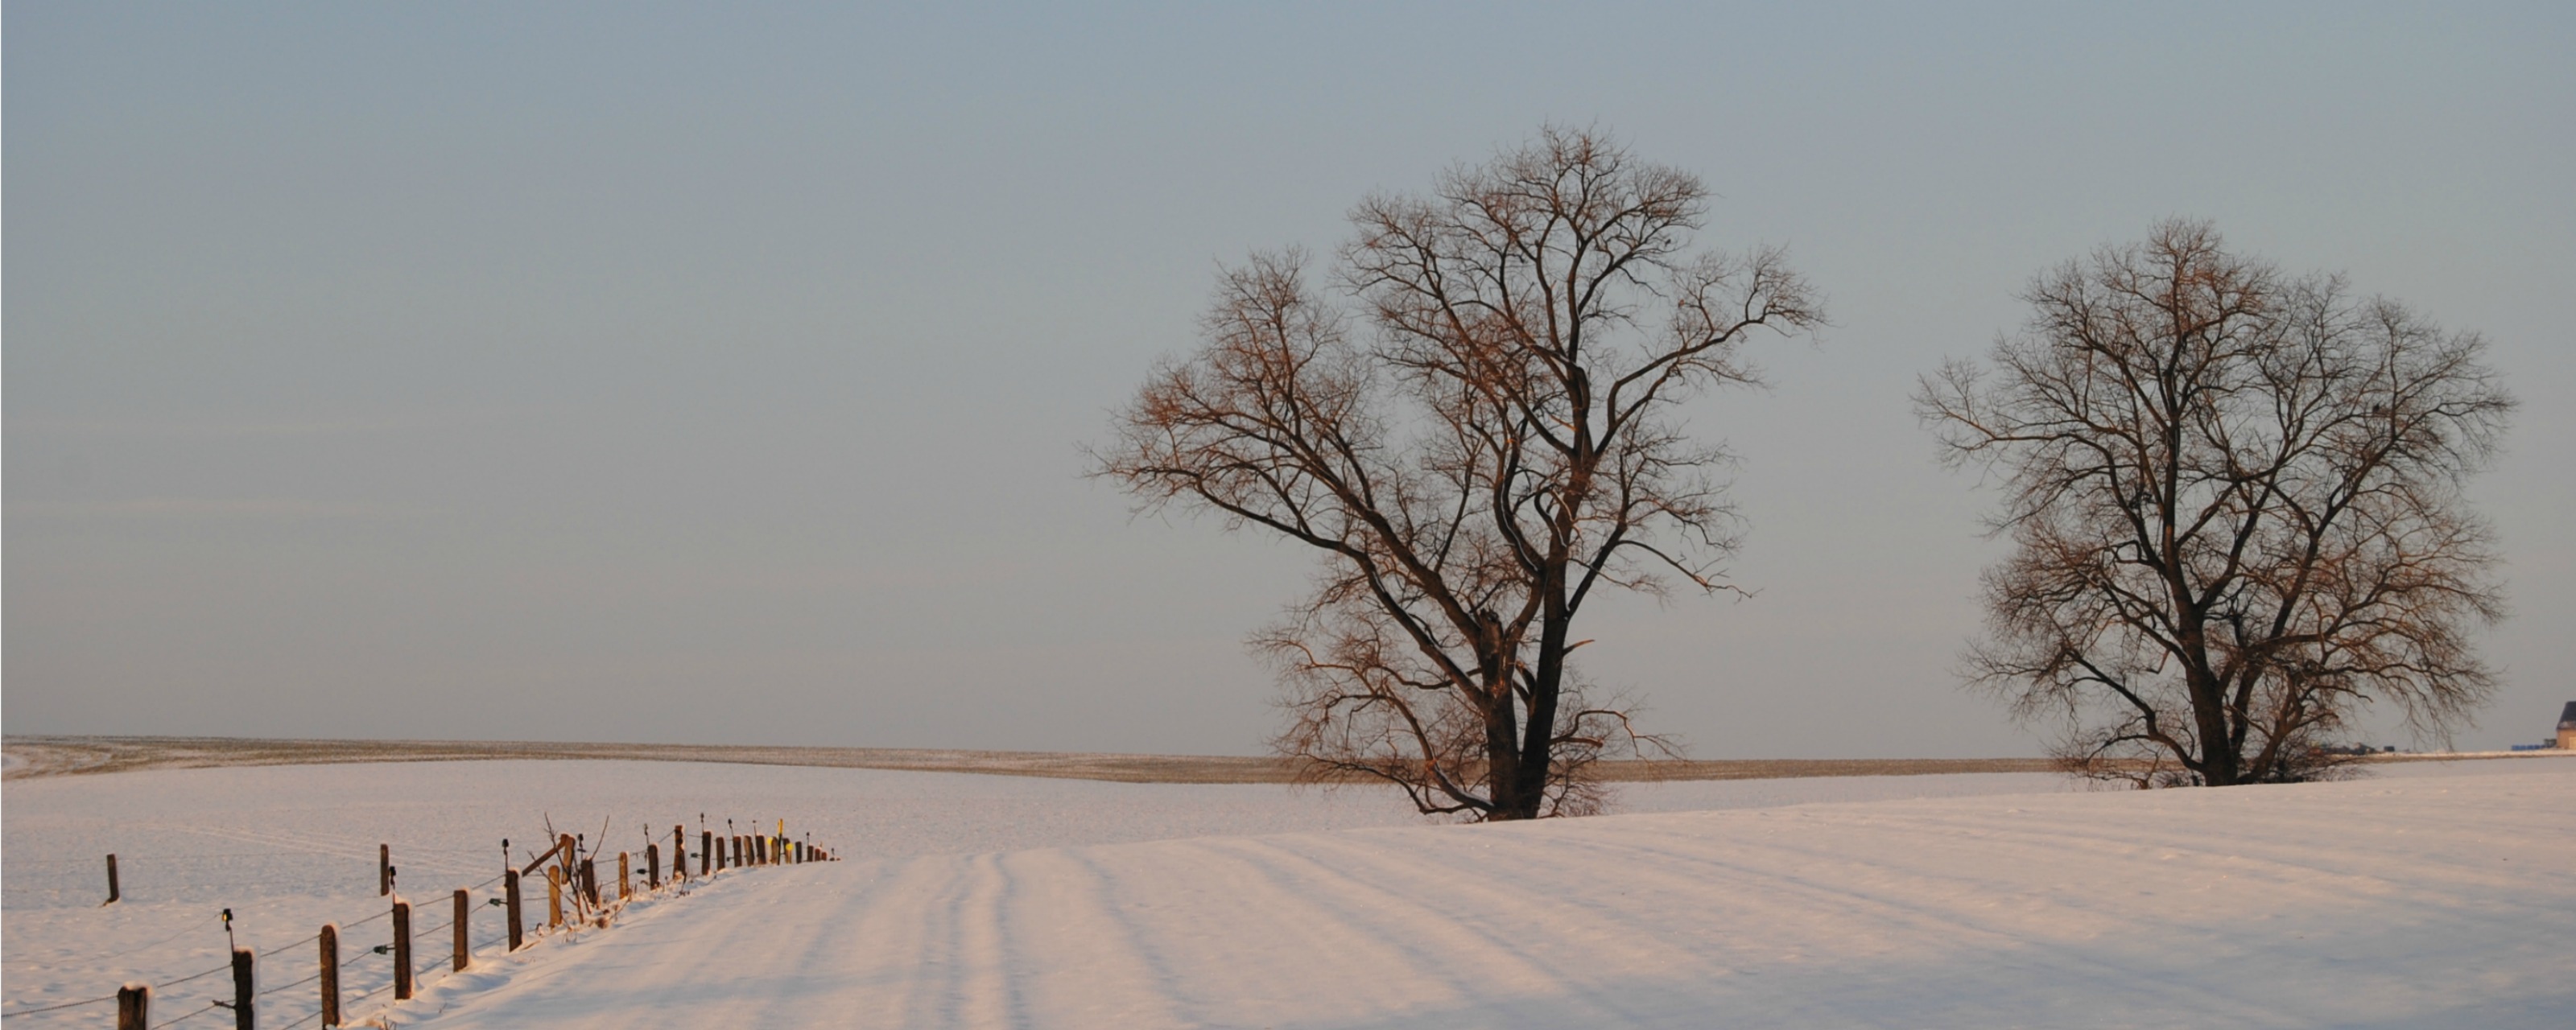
37,756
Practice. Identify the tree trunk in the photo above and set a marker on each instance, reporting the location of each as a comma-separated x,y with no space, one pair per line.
2209,716
1538,737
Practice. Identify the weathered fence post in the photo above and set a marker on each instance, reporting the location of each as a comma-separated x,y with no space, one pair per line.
622,890
402,949
112,892
243,991
134,1006
330,974
384,870
652,867
589,883
510,892
707,852
464,942
554,895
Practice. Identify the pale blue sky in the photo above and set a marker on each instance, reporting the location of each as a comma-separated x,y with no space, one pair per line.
715,373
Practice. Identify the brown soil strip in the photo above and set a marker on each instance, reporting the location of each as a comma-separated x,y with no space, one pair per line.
40,756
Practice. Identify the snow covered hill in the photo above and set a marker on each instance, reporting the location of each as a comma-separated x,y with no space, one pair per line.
2435,896
2417,902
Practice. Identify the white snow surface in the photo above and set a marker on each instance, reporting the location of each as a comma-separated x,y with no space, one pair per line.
2430,895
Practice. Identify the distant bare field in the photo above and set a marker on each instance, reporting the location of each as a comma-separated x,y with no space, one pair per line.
34,756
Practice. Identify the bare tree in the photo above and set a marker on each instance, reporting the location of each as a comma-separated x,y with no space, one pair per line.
2235,503
1499,440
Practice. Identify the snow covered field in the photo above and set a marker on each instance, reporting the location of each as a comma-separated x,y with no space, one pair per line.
2428,895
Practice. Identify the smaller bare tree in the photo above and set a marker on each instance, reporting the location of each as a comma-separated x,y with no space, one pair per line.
1503,443
2235,503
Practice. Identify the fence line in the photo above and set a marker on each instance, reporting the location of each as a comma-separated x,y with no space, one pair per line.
573,871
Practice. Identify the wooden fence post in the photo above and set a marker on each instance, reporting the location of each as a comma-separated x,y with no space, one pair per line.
680,852
330,974
134,1006
463,920
243,992
653,867
112,892
402,949
554,895
622,891
510,892
707,852
589,883
384,870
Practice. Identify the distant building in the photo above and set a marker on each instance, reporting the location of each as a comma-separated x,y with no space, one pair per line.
2567,728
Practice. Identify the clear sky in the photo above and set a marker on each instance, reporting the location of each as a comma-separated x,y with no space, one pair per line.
716,372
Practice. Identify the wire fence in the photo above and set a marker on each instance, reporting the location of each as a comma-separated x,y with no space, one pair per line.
577,899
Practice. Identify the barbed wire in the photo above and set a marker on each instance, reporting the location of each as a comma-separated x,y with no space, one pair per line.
225,968
64,1005
678,884
210,1006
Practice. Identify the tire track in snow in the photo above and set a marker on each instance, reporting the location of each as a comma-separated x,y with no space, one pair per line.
1913,914
1219,920
1086,961
1533,938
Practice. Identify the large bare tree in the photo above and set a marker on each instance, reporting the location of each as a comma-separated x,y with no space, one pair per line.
1473,421
2234,498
